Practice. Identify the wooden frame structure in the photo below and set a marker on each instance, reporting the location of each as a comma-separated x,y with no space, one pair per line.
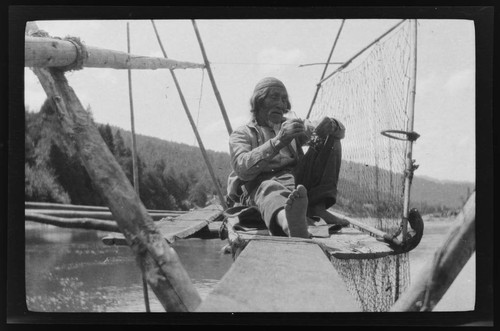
157,260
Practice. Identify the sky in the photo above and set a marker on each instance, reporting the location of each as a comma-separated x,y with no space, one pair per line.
241,52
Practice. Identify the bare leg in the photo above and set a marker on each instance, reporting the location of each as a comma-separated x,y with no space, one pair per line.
329,218
293,218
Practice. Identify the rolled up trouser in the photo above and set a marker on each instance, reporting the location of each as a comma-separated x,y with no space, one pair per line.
318,170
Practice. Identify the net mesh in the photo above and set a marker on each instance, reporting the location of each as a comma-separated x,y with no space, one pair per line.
368,97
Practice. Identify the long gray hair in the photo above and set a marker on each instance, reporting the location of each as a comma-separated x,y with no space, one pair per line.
260,93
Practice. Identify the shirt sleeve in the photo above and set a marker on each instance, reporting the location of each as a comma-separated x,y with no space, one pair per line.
246,162
339,130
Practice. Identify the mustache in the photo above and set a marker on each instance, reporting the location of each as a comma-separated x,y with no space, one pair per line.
276,110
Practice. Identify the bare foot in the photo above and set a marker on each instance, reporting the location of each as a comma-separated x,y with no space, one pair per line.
295,212
329,218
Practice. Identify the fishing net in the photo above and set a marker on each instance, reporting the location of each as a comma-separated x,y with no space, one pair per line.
370,96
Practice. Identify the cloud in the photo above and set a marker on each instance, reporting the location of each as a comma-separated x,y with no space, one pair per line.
272,59
155,53
219,127
460,81
427,84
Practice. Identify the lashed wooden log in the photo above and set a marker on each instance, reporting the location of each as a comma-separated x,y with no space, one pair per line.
439,273
78,223
51,52
61,206
158,261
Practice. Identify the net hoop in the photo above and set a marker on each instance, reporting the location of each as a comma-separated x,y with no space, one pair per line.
410,136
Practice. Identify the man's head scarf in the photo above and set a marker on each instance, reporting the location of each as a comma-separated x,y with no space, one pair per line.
267,83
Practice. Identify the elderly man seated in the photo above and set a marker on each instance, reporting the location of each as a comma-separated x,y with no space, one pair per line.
270,170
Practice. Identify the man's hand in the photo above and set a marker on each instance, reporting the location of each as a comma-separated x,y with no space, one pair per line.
290,129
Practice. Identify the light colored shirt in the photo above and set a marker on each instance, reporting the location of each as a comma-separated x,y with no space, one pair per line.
287,155
252,152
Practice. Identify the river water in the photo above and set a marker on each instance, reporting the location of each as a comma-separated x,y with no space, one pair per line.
71,270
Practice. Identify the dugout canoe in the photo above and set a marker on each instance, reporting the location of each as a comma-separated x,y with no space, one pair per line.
336,270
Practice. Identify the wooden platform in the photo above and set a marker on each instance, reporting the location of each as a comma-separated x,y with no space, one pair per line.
284,275
179,227
348,243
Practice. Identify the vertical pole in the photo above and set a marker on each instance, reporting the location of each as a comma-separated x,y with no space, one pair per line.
132,121
193,125
324,70
134,158
212,79
409,144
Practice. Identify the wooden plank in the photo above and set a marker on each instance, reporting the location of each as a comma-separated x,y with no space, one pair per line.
209,214
350,243
180,227
280,276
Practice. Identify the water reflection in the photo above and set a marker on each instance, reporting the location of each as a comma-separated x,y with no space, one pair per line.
71,270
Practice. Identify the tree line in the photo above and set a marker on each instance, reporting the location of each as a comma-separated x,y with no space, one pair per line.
172,176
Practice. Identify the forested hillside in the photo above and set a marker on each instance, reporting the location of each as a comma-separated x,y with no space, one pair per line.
174,176
171,176
440,194
356,189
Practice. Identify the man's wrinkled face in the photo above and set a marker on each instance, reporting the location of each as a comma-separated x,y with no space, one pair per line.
273,106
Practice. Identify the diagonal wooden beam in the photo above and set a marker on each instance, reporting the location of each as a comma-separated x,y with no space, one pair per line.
449,259
158,260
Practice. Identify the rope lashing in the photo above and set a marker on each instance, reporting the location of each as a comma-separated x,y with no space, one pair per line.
410,136
81,54
81,50
409,172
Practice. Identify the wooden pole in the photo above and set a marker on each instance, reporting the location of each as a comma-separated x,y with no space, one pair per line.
360,52
371,229
80,223
50,52
102,215
212,79
409,144
193,125
60,206
156,258
326,66
438,274
319,63
132,121
134,160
